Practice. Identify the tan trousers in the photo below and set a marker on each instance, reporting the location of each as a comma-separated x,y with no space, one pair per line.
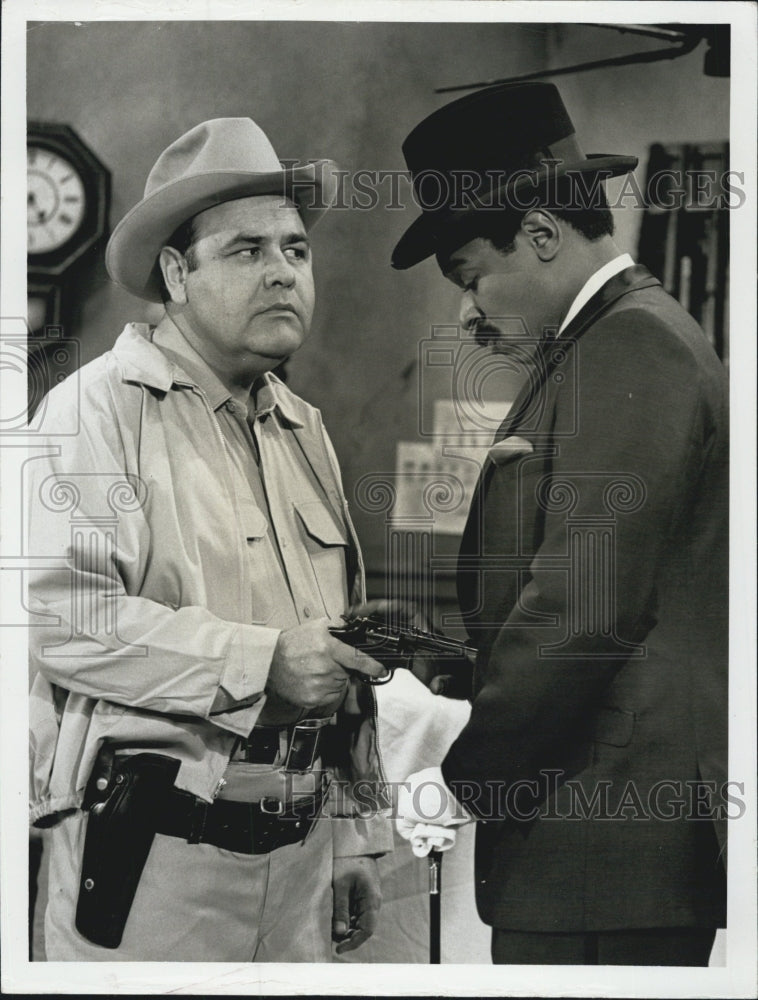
196,902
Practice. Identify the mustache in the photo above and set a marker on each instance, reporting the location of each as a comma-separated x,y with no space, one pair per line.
485,332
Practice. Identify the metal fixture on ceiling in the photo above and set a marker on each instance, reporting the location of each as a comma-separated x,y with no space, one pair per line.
684,38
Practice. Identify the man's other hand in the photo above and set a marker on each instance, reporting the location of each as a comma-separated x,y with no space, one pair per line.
357,899
310,667
451,676
391,611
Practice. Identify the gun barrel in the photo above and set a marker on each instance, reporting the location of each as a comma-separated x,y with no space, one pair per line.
439,644
396,645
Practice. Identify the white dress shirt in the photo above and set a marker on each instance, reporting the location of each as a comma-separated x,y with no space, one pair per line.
593,284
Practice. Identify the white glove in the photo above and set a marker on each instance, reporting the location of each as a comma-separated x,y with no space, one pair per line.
428,813
426,837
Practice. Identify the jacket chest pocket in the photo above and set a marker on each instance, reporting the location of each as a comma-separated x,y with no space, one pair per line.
264,570
325,541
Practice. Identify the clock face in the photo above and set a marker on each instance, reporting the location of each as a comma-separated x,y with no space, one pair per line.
55,205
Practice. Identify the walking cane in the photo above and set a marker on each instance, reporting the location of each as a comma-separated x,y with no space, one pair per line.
435,890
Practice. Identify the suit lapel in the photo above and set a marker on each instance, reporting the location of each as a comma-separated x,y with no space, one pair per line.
468,579
629,280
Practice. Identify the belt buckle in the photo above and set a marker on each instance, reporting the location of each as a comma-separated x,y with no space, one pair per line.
272,806
303,747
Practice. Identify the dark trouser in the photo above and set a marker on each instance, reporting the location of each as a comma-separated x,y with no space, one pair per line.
690,946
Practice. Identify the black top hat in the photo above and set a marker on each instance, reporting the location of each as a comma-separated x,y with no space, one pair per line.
493,149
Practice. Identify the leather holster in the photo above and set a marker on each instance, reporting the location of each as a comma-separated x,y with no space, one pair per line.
122,799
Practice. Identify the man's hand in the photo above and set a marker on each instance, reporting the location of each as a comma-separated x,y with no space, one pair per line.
357,898
310,667
453,678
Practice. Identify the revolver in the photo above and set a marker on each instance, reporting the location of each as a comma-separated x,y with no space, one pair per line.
395,645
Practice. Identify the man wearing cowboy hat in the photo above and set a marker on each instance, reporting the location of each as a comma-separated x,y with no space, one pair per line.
593,567
191,705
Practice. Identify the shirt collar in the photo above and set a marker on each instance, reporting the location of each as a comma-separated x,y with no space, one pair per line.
270,393
191,367
593,284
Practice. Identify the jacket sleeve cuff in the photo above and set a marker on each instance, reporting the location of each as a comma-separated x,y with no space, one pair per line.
240,697
354,835
467,794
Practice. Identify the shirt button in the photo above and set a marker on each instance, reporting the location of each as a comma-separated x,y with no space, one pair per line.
307,611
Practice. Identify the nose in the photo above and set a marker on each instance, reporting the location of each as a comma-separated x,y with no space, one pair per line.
279,270
470,314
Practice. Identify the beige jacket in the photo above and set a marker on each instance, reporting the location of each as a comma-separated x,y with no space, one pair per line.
137,614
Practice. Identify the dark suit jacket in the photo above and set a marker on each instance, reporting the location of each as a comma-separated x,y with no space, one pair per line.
593,578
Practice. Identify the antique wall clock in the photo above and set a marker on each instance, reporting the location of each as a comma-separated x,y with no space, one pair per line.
56,200
66,206
67,217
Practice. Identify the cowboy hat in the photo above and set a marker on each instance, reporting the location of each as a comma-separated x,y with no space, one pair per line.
491,150
216,161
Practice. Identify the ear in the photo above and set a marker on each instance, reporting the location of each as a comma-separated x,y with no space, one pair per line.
543,233
175,271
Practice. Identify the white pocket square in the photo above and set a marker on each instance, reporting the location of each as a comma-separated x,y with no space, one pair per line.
505,450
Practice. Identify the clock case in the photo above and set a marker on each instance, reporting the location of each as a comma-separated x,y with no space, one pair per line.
62,140
55,279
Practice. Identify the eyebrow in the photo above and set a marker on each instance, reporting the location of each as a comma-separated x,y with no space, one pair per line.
449,261
451,269
256,240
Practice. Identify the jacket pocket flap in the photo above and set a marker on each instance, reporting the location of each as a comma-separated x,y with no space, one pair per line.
320,523
614,726
252,518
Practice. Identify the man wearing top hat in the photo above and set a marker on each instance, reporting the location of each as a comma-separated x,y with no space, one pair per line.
190,704
593,568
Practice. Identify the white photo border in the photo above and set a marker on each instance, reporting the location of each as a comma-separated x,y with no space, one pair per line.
738,977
